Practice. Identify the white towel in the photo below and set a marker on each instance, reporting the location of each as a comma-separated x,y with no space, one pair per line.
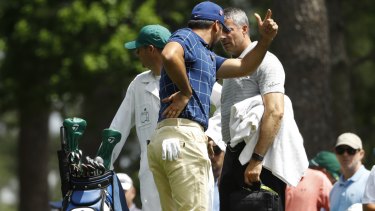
245,125
286,158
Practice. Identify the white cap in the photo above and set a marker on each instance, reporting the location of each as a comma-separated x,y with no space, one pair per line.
355,207
349,139
126,181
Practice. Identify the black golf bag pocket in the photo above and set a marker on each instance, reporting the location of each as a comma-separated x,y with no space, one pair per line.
260,200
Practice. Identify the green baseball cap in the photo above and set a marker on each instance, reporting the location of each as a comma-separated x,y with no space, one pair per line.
155,35
327,160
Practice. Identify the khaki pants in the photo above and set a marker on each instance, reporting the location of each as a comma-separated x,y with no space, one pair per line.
183,184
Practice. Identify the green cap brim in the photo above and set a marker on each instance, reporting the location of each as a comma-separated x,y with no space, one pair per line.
131,45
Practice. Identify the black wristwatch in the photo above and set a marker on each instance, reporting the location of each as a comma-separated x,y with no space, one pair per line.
257,157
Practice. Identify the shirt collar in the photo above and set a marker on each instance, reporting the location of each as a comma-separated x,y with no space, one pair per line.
357,175
150,77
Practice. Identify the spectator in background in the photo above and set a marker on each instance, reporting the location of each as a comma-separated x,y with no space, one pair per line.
129,190
349,189
369,196
312,192
327,163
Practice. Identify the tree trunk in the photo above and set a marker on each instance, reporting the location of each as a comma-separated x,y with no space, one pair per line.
99,107
343,115
303,47
33,157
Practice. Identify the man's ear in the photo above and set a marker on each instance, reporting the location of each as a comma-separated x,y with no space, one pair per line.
245,29
362,152
217,26
150,48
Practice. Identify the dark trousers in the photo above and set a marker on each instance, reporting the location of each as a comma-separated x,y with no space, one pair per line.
232,178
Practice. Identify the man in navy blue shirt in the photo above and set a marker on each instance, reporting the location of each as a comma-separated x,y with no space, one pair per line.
190,70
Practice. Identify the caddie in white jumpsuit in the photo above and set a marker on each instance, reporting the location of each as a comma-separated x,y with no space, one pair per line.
141,104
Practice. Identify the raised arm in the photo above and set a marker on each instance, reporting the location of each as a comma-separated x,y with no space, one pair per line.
241,67
174,65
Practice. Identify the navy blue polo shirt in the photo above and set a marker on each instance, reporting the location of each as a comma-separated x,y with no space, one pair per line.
201,66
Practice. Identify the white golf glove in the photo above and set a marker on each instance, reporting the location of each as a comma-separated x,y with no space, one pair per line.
171,149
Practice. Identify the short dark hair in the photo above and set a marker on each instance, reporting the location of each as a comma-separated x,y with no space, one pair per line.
200,24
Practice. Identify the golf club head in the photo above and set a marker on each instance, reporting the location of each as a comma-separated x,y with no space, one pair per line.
75,157
88,160
110,138
74,129
91,170
102,168
84,170
99,159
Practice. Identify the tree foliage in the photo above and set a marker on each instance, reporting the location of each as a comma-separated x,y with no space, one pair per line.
55,53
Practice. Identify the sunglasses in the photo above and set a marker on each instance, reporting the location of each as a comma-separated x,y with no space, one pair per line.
341,150
217,150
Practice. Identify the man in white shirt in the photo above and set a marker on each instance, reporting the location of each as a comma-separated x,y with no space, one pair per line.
268,82
140,106
369,196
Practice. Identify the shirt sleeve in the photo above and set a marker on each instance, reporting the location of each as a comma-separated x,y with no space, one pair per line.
124,120
219,61
271,75
180,38
369,194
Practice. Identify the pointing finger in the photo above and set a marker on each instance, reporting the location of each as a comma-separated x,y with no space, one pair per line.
268,14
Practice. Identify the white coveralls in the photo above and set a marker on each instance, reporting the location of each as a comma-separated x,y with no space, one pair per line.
140,108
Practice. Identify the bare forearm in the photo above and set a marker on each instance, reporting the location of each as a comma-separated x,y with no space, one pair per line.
232,68
174,66
269,127
268,130
271,121
254,58
178,75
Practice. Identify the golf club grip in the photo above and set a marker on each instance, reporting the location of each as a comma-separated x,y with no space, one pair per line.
63,138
